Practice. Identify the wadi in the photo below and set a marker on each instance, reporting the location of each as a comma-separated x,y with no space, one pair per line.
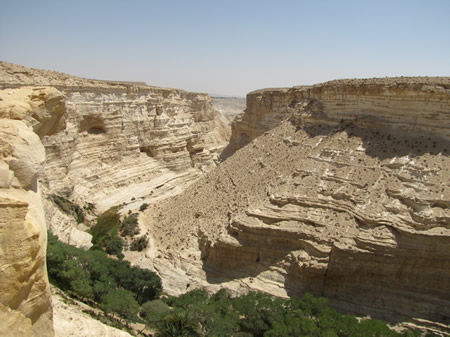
337,191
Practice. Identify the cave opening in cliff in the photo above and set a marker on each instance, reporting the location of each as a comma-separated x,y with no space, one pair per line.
96,131
149,151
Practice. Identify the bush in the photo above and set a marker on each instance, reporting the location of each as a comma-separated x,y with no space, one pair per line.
154,311
139,244
122,302
69,207
129,225
143,207
114,246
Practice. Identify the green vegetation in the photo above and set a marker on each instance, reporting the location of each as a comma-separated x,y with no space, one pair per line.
69,207
92,276
256,314
130,225
139,244
133,294
143,207
105,233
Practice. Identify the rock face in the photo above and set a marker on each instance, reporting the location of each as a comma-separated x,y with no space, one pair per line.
25,299
415,104
119,143
70,320
348,198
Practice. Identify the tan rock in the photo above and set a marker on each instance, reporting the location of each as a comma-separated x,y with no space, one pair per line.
71,321
14,323
122,140
417,104
41,108
357,210
25,302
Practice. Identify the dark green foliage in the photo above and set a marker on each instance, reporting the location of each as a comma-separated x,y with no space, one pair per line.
154,311
121,288
105,224
69,207
104,233
130,225
139,244
143,207
260,314
178,324
122,302
114,246
92,275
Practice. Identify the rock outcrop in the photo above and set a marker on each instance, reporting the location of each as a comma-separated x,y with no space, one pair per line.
118,143
416,104
347,197
124,140
25,299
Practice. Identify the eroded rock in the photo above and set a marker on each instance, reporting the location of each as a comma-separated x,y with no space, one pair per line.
348,197
25,299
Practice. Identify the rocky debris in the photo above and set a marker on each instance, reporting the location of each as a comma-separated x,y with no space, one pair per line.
25,299
352,208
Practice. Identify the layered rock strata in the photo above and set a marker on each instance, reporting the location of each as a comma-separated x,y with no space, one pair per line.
124,140
25,299
348,198
416,104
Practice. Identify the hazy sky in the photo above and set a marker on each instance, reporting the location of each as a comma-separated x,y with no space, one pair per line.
228,47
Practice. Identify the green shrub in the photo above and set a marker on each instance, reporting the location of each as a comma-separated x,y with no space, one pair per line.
139,244
122,302
114,246
143,207
69,207
129,225
154,311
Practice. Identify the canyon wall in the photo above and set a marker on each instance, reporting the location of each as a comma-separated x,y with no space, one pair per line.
345,194
120,143
25,299
414,104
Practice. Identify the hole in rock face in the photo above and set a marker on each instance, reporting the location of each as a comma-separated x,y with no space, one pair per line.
93,125
149,151
95,131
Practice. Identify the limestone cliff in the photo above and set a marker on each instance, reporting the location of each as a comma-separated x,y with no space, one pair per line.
347,197
25,299
121,142
415,104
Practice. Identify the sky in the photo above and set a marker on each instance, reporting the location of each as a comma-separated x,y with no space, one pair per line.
228,47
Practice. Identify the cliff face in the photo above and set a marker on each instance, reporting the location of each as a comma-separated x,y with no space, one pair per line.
25,304
413,104
348,197
120,142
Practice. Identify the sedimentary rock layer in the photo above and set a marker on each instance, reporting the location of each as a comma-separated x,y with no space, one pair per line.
418,104
352,204
25,299
124,140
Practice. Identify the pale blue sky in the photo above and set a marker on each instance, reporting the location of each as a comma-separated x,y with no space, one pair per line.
228,47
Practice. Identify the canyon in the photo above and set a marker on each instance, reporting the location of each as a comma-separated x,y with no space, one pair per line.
340,189
119,143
